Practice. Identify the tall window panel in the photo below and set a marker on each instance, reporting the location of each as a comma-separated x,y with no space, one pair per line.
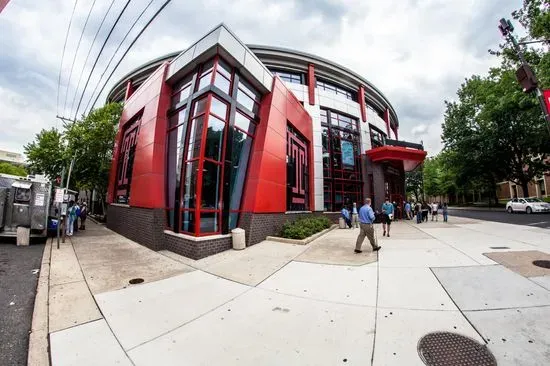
341,160
210,136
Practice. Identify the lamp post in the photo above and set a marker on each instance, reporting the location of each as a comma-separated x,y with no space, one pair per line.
524,74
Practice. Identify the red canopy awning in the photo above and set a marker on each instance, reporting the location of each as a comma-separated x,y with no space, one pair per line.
411,158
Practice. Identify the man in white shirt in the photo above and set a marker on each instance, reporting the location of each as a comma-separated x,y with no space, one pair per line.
434,211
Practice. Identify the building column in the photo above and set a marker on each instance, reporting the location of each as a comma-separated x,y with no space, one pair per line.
361,94
129,90
311,83
387,120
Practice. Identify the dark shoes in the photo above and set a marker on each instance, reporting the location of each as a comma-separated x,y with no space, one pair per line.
384,234
388,235
358,251
377,248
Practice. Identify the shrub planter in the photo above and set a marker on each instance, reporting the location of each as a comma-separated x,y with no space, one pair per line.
302,241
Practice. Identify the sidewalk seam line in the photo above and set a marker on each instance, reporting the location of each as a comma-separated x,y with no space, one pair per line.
376,302
459,309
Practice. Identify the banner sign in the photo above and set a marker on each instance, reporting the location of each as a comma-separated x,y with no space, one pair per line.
348,158
546,94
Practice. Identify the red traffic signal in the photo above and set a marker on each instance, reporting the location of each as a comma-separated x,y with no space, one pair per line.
58,180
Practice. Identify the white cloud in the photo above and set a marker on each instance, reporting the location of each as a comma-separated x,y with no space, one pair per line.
417,52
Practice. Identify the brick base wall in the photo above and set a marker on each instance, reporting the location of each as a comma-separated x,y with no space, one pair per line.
146,227
260,225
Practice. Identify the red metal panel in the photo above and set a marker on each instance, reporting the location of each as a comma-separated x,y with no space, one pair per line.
410,157
546,95
311,83
3,4
387,120
361,96
129,90
147,191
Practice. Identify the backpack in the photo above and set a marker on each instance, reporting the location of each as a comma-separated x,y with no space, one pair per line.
77,211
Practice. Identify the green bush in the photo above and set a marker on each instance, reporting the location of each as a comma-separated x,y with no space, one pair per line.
546,199
305,227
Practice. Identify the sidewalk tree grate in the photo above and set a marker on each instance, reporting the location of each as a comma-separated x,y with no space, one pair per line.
450,349
542,263
499,247
135,281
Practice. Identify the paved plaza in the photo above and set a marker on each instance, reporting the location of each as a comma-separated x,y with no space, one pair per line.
315,304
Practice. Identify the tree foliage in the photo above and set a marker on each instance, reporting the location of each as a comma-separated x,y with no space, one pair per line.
8,168
414,184
46,154
494,131
89,140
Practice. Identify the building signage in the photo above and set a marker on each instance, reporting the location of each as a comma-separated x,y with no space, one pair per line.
348,158
546,94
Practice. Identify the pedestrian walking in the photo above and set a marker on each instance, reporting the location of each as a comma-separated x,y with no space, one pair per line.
434,211
388,212
71,215
425,211
346,216
418,212
445,208
354,216
408,210
77,212
83,216
366,227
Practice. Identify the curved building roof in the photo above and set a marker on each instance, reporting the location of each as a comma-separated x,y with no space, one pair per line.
278,58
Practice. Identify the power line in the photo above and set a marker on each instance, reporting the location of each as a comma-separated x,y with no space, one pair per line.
76,53
128,49
97,58
63,56
88,56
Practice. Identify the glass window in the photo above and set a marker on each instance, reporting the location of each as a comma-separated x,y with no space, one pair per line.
195,136
189,191
222,83
210,185
205,80
224,69
188,221
177,119
244,123
242,144
247,102
214,139
324,85
233,220
218,108
209,222
182,90
290,77
200,106
207,66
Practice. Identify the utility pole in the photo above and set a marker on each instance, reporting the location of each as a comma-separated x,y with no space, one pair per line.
525,74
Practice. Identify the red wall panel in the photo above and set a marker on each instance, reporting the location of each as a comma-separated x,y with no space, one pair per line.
266,180
387,120
151,102
311,83
362,105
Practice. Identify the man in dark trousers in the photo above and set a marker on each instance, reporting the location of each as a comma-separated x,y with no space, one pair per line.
366,227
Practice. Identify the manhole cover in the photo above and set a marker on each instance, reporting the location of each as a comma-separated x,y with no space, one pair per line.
542,263
499,247
449,349
135,281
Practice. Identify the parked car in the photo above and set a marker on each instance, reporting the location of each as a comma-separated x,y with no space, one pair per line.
528,205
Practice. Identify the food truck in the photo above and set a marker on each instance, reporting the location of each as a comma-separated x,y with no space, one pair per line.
24,202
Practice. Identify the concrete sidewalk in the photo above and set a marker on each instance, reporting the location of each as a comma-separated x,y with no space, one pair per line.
318,304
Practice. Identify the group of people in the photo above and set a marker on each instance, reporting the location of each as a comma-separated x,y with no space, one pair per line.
365,218
75,211
422,210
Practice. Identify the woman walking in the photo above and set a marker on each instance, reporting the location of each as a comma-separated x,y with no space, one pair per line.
445,208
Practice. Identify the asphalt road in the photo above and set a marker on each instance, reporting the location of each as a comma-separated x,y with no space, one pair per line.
18,280
541,220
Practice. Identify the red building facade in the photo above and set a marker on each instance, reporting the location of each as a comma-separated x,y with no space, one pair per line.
211,139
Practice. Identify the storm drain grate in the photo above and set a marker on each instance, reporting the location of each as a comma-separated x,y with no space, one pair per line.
499,247
450,349
542,263
135,281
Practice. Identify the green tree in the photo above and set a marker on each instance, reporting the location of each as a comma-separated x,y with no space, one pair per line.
90,140
414,184
46,154
8,168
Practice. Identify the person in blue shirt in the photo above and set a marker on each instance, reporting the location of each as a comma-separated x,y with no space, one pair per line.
346,216
387,210
408,210
366,227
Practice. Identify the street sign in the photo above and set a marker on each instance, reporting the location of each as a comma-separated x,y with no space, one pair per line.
58,195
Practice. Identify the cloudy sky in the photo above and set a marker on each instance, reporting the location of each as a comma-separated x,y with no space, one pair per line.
417,52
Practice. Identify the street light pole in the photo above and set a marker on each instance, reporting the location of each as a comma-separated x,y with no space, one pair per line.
506,28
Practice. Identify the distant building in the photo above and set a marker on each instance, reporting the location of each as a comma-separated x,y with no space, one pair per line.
537,188
12,157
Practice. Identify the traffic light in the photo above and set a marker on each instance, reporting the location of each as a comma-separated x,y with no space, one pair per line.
505,27
526,78
58,180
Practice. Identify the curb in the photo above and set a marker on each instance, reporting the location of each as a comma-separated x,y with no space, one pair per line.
38,353
487,209
303,241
